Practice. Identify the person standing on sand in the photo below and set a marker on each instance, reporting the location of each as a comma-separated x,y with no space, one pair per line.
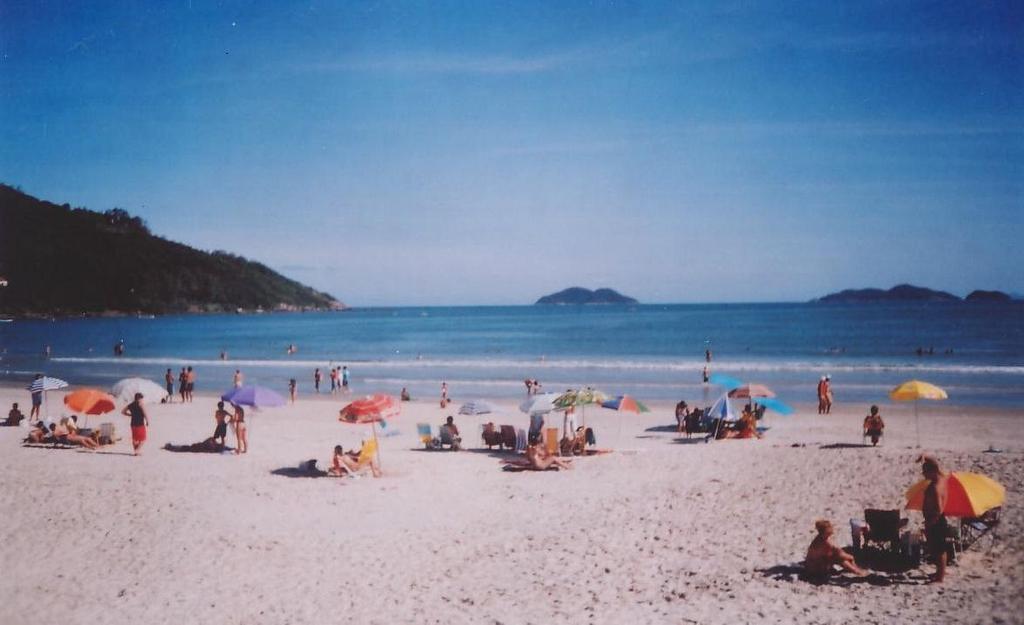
345,380
169,381
317,377
873,425
37,400
936,528
241,430
828,394
139,423
444,394
821,395
292,389
190,383
221,430
334,380
237,381
182,383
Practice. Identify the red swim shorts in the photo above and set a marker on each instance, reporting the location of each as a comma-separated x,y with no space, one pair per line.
138,433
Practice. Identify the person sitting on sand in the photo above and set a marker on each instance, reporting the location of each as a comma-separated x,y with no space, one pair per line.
405,395
873,425
540,460
452,428
822,554
350,464
14,417
338,464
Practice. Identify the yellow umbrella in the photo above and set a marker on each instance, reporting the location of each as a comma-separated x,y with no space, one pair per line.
970,495
913,390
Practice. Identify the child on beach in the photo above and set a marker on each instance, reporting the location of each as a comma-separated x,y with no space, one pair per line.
873,425
822,555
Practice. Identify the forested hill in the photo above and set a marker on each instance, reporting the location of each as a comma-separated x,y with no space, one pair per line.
57,260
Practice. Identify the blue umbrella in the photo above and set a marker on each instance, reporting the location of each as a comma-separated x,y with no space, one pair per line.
721,409
776,405
726,381
255,396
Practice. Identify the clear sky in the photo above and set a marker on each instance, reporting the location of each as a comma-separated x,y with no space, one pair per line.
492,152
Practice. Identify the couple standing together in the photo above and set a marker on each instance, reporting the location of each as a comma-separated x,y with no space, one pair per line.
237,420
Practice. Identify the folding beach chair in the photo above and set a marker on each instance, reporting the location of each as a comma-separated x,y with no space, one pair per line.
508,436
884,528
366,460
551,441
426,437
107,434
445,437
973,530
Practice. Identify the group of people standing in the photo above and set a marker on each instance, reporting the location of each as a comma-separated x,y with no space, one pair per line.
186,384
339,376
825,395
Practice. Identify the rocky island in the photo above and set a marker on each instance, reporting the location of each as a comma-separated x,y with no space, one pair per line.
579,295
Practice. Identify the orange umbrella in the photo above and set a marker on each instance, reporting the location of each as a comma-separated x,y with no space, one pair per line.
89,401
970,495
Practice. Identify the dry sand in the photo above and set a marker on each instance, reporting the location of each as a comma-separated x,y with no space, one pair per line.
665,532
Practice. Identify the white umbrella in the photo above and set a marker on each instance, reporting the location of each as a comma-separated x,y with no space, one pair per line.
476,407
126,389
46,383
539,403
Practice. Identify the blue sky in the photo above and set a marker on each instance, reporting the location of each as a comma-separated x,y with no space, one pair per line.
489,153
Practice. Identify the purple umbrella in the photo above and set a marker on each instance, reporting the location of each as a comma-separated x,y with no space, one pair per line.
255,396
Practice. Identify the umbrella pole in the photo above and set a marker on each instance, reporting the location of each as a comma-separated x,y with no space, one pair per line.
917,425
376,442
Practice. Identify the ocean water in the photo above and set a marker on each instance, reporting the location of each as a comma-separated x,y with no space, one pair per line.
650,351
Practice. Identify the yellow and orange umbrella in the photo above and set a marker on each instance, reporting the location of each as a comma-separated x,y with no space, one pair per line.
970,495
89,401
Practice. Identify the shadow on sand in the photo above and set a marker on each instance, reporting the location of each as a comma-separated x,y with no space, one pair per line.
846,446
795,572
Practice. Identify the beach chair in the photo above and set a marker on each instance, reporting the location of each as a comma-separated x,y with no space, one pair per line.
884,528
520,445
107,434
426,436
973,530
508,436
490,435
551,441
366,460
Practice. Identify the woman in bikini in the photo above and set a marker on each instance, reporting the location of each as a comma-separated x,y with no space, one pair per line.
241,430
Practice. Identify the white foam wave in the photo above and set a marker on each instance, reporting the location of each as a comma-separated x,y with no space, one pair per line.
688,367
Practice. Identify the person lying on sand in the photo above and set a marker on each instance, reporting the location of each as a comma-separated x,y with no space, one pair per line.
39,433
822,554
209,446
75,437
539,458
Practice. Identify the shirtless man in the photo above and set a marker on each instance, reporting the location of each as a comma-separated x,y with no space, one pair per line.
221,416
873,425
936,529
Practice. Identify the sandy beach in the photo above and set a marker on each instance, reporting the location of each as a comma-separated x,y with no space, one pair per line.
662,530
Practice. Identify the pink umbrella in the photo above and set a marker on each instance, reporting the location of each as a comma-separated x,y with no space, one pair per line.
748,391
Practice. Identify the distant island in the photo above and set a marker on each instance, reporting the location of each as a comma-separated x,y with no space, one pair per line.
579,295
910,293
987,296
56,260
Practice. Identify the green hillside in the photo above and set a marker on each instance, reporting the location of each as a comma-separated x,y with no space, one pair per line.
60,260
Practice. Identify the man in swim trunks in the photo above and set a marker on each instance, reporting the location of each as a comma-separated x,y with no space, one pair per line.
936,529
169,381
873,425
140,421
221,417
37,400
